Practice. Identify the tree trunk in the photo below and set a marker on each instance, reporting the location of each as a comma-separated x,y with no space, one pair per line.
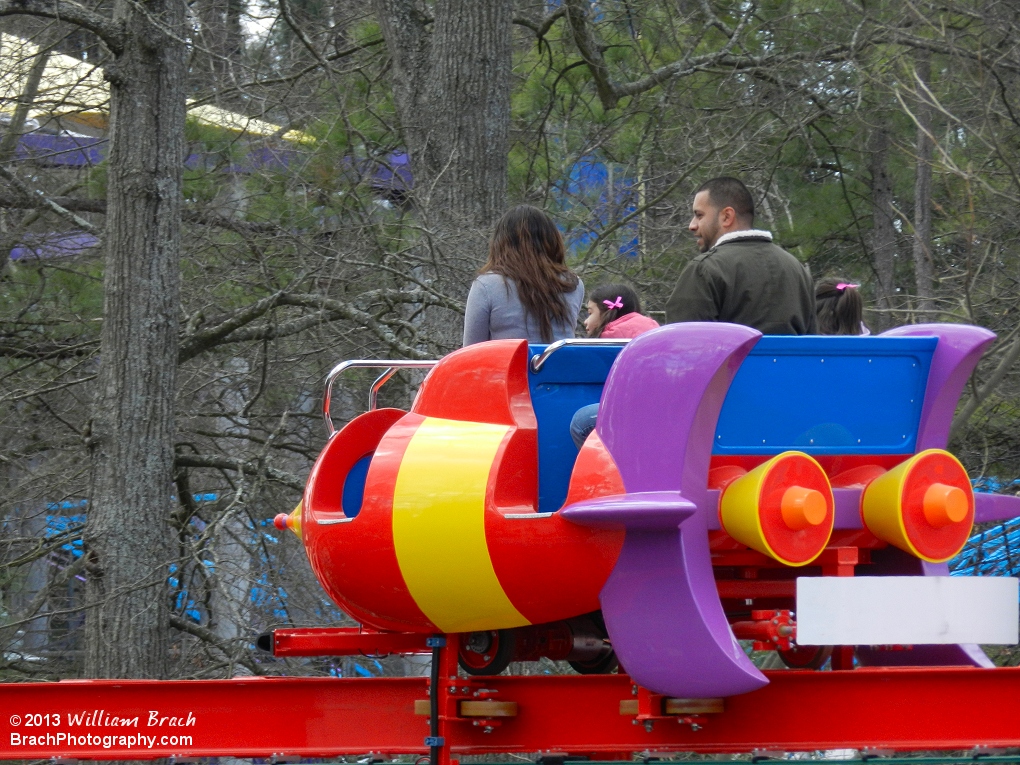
451,86
469,92
452,91
924,269
127,536
883,232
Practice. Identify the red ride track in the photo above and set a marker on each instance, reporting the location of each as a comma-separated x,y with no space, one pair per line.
915,708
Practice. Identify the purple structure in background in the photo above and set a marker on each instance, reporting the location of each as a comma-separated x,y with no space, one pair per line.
392,176
273,158
85,151
388,175
61,150
658,416
53,245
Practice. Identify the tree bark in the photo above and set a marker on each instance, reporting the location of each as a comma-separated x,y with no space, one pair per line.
470,92
883,232
452,91
924,268
127,537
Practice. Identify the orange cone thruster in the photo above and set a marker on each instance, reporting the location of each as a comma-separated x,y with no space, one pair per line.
924,506
783,508
292,521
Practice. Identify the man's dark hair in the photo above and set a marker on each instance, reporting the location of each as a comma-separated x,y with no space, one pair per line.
730,192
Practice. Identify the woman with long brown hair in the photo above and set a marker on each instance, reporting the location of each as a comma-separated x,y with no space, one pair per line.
525,289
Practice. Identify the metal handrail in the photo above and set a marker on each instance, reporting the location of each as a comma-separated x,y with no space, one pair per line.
390,367
381,380
538,361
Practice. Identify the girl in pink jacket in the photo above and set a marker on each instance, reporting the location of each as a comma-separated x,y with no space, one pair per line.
614,310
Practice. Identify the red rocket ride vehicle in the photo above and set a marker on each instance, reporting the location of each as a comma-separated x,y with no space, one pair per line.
732,479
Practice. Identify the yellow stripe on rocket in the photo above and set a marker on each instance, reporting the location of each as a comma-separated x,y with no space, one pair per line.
439,525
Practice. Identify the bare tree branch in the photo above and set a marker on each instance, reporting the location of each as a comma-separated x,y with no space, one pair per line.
110,32
198,342
40,201
20,349
541,29
610,92
584,39
48,203
239,466
714,20
208,636
339,310
294,77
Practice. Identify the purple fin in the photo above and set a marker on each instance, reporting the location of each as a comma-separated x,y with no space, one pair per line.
959,350
657,419
650,510
995,507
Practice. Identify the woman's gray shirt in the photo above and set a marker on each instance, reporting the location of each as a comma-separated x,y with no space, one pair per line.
495,312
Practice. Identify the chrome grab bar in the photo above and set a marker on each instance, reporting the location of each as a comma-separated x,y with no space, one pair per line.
538,361
381,380
390,367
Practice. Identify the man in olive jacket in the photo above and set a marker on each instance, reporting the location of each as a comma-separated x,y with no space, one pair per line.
741,276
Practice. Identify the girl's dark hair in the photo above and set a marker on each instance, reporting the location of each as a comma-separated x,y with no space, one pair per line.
606,295
839,307
527,247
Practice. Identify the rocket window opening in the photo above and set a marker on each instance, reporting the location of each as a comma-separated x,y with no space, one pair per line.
354,487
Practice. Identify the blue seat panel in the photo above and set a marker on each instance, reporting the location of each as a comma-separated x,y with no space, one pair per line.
827,395
820,395
571,378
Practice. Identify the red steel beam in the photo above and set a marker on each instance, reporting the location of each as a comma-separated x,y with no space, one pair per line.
344,641
900,709
756,588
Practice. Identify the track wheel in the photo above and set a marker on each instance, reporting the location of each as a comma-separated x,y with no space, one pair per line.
597,656
487,653
806,656
601,666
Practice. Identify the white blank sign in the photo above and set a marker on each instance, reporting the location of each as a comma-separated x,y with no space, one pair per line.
906,610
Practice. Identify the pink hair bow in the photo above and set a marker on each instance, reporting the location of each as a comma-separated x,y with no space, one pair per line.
610,305
842,286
